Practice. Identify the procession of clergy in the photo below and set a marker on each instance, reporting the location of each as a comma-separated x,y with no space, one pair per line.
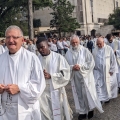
33,87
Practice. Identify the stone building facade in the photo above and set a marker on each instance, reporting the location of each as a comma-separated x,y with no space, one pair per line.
91,14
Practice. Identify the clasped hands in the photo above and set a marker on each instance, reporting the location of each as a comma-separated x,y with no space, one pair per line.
11,89
76,67
111,73
46,75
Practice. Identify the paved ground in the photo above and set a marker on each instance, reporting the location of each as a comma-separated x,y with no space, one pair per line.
111,110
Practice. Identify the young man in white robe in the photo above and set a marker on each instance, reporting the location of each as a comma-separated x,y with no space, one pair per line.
53,102
21,80
105,71
82,80
115,44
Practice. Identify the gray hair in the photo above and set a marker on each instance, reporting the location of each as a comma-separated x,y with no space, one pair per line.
73,37
14,27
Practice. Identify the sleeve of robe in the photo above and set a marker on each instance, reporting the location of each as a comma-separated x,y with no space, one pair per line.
32,90
88,65
113,63
61,78
67,58
118,52
3,50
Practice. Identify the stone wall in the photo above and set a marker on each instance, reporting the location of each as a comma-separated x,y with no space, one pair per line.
105,30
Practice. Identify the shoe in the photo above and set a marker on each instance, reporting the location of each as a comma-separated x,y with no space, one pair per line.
107,101
119,90
82,116
90,114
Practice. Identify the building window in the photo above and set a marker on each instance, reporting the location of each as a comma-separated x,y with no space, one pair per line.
79,11
116,4
102,20
91,4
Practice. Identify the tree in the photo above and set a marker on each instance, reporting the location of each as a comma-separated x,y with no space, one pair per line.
62,17
12,9
114,19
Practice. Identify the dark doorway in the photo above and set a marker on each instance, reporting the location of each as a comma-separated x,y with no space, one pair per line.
93,32
78,33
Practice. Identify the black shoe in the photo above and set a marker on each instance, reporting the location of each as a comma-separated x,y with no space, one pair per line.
119,90
82,116
107,101
90,114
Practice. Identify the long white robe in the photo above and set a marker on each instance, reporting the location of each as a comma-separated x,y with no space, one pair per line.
24,69
53,102
116,47
101,57
2,50
82,81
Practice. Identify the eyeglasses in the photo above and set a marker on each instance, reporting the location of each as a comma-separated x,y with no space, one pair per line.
13,37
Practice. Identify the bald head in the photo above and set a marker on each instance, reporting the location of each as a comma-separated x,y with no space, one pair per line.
100,42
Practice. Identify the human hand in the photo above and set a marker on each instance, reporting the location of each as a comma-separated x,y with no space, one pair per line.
2,88
76,67
111,73
12,89
46,75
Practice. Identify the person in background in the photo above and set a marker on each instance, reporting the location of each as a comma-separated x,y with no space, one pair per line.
31,47
82,80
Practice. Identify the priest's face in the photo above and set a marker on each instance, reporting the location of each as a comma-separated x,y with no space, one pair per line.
43,48
75,42
100,44
111,39
14,40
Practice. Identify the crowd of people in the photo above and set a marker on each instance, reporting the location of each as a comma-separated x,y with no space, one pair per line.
34,74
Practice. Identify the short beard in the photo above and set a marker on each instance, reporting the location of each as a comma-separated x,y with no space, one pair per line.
75,48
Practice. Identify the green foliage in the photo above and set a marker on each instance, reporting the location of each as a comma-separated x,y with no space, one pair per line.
62,17
114,19
11,9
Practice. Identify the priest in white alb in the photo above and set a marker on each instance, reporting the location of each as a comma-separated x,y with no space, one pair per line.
115,44
82,80
21,80
53,102
105,71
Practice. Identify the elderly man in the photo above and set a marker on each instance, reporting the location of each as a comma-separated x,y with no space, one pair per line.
21,80
115,44
105,71
83,86
53,102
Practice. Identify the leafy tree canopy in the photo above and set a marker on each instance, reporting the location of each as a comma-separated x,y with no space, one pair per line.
114,19
62,17
11,11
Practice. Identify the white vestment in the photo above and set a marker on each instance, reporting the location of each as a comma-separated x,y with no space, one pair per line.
53,102
82,81
85,43
32,48
116,47
23,69
60,45
105,62
2,50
